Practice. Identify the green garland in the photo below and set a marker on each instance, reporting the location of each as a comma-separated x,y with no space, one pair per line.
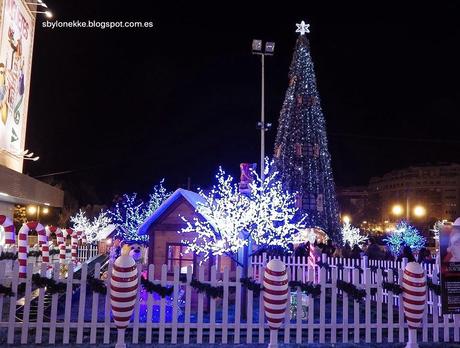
54,252
436,288
251,285
351,290
394,288
6,291
309,288
212,291
5,255
96,285
52,286
163,291
34,253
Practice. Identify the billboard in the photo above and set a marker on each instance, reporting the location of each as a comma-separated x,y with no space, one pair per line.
16,45
449,243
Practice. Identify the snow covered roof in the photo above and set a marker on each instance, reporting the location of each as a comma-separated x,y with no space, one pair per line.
107,231
192,198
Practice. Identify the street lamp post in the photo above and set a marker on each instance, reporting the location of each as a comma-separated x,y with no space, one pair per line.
268,51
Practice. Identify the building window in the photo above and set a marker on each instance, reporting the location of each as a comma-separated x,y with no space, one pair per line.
176,255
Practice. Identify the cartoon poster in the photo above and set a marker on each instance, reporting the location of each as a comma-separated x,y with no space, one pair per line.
16,44
449,242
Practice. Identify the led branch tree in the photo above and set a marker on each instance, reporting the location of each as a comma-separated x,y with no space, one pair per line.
223,228
230,218
352,234
92,228
404,234
273,211
131,212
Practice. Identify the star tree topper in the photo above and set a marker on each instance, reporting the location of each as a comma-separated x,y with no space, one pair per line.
302,28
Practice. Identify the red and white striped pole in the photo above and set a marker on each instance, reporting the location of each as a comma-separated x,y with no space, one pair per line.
73,244
275,297
23,249
8,227
23,245
414,299
123,292
59,239
61,243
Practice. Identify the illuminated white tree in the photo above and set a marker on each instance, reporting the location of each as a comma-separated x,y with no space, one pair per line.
352,234
92,228
130,213
230,218
224,223
273,212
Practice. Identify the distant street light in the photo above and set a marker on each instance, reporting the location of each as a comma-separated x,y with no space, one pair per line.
346,219
397,209
419,211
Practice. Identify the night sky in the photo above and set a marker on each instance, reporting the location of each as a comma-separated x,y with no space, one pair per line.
123,108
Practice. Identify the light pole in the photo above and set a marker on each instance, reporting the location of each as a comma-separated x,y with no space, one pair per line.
268,51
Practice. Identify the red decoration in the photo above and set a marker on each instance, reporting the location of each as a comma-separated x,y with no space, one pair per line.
8,227
23,245
123,292
275,297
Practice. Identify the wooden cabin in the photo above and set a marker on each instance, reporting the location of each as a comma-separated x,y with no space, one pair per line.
165,242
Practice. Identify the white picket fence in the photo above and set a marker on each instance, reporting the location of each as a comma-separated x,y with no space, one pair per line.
86,252
81,316
293,263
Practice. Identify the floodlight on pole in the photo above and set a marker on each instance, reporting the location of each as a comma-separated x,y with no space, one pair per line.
269,50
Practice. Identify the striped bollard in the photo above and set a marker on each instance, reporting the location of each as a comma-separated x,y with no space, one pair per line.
123,292
9,230
275,297
414,299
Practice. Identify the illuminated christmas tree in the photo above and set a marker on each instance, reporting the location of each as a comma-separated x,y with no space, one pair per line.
301,151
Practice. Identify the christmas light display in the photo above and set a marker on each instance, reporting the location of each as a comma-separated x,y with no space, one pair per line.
352,234
230,218
301,150
91,228
226,220
131,212
273,211
404,234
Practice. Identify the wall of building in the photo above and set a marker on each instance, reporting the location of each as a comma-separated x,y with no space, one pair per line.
437,188
7,209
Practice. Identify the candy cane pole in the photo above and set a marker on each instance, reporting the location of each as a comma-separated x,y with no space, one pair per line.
23,248
275,297
74,246
8,227
414,299
42,239
61,243
123,292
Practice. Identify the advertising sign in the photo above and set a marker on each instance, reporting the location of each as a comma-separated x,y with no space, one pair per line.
16,44
449,243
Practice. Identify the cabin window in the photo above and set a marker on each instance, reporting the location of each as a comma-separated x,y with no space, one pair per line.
176,255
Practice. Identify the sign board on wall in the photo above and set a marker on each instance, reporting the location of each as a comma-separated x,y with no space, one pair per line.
16,45
449,243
